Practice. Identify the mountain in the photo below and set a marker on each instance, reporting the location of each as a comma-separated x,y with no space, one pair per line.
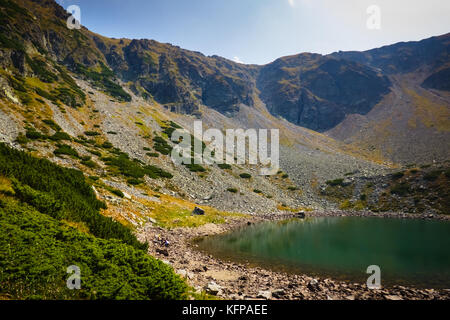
412,122
332,111
85,144
317,92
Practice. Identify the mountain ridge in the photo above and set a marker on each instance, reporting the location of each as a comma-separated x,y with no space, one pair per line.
318,92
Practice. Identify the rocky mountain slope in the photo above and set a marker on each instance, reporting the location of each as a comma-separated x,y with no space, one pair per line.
75,89
107,108
412,122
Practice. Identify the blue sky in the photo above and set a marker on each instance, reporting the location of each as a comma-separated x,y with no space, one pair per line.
259,31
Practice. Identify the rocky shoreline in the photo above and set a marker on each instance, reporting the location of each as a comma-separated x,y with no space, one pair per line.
237,281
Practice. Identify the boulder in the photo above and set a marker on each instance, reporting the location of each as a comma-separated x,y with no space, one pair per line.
313,285
301,215
392,297
126,195
279,293
265,295
164,252
198,212
213,288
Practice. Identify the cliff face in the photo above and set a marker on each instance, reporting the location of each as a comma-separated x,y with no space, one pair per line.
318,91
179,78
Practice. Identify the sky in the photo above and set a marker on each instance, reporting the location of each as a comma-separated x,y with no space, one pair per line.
260,31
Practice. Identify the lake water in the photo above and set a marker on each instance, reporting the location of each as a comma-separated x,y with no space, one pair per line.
408,251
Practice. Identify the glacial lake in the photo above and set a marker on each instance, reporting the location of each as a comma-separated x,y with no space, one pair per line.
408,251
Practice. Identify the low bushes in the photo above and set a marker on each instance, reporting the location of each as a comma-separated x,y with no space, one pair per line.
65,149
134,169
336,182
35,251
38,179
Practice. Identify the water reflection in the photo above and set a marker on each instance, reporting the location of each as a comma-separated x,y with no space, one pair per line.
408,251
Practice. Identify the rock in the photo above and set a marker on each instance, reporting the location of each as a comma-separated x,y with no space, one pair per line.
351,297
166,262
301,215
264,295
313,285
279,293
126,196
182,273
392,297
151,220
213,288
198,212
164,252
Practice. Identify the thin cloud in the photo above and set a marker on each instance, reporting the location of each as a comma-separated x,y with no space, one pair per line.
237,59
291,3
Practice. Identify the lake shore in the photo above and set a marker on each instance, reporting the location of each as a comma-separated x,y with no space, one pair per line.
237,281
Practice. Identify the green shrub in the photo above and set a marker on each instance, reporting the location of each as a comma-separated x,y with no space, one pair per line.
118,193
52,124
195,167
65,149
161,145
232,190
257,191
224,166
107,145
59,136
336,182
39,68
89,163
22,139
94,152
245,175
103,79
45,94
134,181
36,249
285,176
134,169
91,133
33,134
153,154
66,186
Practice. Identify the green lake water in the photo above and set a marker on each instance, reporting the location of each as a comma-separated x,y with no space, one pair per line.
408,251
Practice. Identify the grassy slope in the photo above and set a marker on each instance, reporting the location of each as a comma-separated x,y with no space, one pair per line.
37,245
